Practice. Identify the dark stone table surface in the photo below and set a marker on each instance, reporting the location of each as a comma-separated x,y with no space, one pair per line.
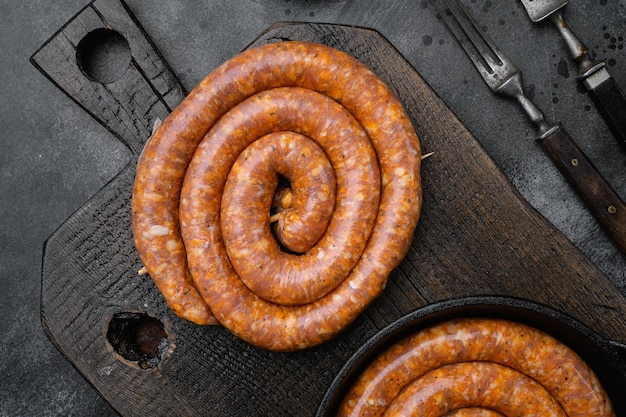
54,156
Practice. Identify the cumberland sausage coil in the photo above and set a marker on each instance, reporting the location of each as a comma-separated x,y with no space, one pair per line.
207,185
483,384
477,367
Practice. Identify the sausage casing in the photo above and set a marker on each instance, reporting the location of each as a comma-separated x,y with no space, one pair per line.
163,169
474,384
311,275
266,269
532,352
473,412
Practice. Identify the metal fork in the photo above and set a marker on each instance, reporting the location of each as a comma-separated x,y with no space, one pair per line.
504,78
499,73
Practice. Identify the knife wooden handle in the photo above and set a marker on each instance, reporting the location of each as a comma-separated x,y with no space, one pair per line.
611,101
603,202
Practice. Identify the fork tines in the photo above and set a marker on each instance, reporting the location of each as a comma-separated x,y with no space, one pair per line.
494,67
499,73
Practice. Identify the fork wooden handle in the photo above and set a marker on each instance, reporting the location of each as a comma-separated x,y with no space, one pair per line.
598,195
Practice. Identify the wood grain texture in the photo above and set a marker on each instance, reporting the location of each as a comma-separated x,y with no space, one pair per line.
476,236
599,197
129,105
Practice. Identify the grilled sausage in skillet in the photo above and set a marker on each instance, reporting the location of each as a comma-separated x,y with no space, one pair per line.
534,353
474,384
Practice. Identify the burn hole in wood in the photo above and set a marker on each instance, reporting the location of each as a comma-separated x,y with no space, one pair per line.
138,338
103,55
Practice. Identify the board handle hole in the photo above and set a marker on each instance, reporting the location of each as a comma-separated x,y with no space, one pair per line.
103,55
138,338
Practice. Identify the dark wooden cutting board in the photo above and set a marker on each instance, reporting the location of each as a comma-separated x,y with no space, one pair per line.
476,236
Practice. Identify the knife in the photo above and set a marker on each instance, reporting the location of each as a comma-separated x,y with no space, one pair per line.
601,87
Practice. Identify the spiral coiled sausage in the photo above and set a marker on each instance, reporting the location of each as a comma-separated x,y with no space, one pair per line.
474,384
486,363
214,256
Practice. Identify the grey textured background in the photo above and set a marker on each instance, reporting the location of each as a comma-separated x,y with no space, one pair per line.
53,156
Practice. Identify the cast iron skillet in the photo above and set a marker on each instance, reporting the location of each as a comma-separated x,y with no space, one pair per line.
606,358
